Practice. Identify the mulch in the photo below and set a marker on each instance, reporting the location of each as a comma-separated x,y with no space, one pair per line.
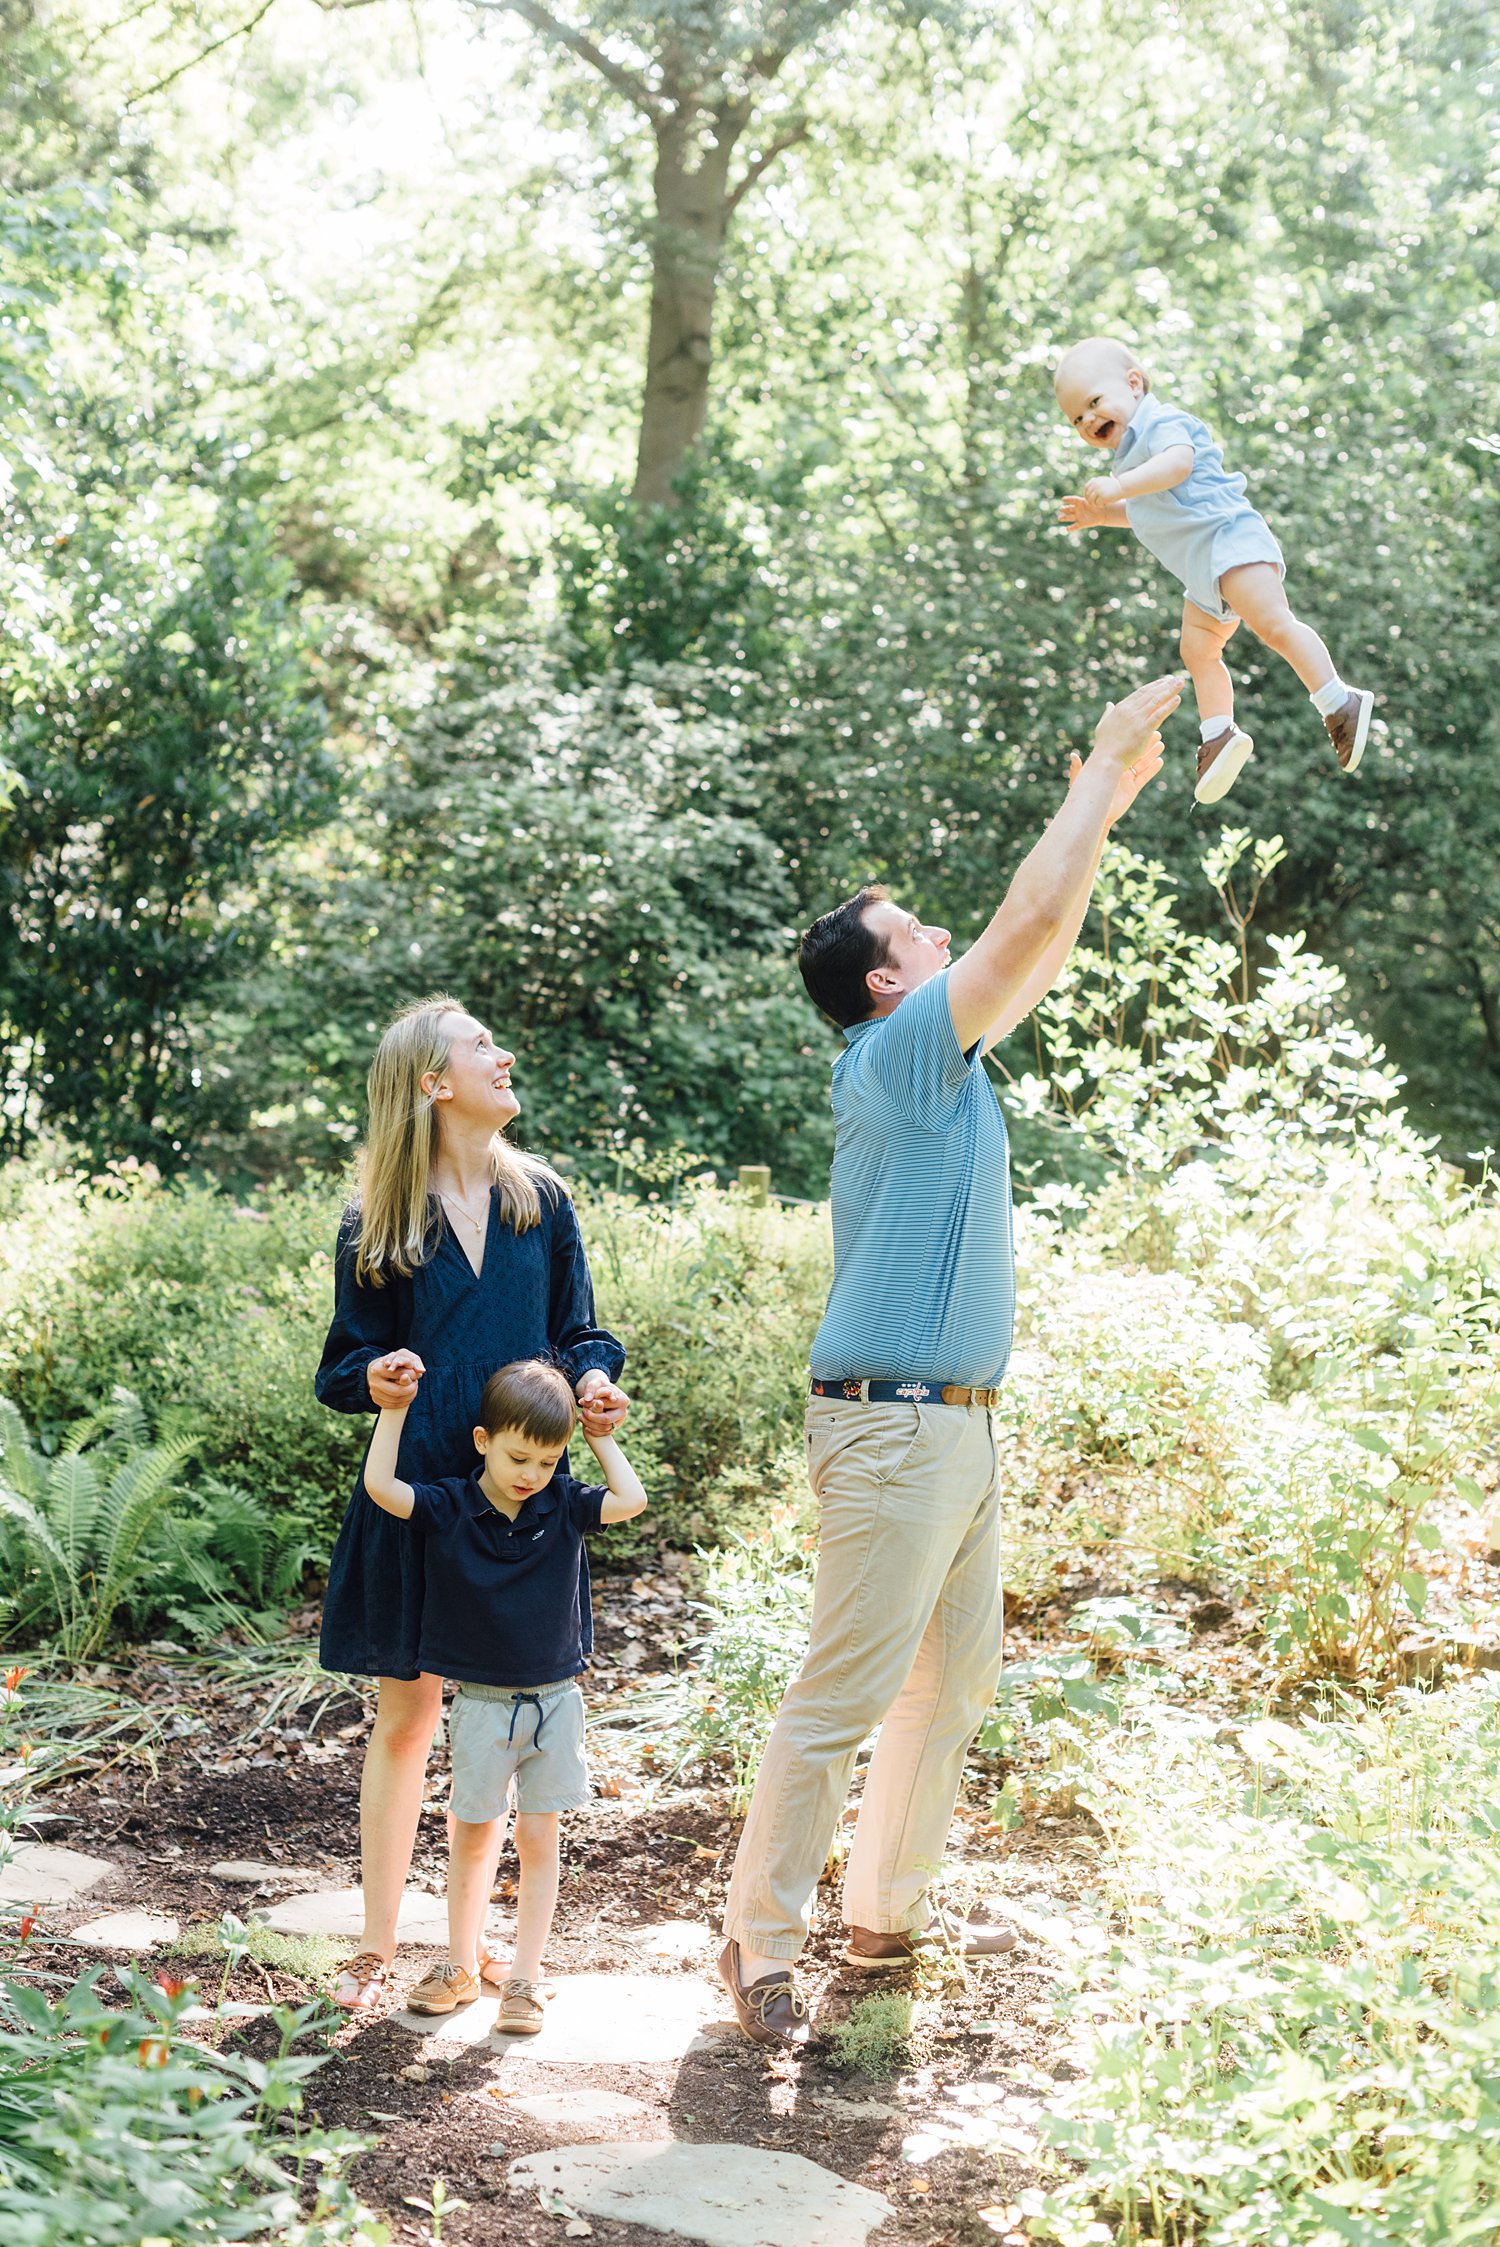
637,1855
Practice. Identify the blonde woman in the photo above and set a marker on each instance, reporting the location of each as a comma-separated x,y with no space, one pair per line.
458,1254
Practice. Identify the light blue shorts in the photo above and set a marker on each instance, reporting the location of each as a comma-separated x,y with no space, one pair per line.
527,1738
1247,538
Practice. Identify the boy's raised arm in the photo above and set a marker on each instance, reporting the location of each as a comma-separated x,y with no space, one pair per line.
627,1495
382,1483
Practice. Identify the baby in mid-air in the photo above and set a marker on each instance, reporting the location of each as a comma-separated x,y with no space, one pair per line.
1170,487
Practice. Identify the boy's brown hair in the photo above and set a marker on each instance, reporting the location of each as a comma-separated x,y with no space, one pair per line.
532,1397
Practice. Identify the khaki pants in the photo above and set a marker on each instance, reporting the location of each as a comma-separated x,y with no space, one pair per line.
906,1633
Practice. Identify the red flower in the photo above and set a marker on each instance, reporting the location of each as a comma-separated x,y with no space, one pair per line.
172,1989
151,2053
13,1677
27,1924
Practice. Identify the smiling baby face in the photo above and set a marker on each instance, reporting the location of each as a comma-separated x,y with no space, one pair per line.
1099,384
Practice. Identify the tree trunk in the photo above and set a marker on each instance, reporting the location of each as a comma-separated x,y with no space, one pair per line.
693,205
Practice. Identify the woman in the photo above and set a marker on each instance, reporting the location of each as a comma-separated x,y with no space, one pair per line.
462,1251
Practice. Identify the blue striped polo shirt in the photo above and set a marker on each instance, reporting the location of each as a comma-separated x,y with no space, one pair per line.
923,1267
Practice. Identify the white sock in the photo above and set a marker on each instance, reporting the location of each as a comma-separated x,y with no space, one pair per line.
1330,698
1208,727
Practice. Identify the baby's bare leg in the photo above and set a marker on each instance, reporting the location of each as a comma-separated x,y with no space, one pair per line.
473,1851
1204,639
1255,592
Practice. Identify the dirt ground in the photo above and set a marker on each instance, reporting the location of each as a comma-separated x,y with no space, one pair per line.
228,1786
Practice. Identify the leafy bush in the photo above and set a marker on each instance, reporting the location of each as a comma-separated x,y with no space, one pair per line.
212,1311
1287,2023
116,2127
716,1299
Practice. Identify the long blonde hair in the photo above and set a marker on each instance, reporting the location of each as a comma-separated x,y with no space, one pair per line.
398,1208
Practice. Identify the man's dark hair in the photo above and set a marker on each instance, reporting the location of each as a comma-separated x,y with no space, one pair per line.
838,952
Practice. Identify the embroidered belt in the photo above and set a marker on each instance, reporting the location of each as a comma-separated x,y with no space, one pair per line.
915,1391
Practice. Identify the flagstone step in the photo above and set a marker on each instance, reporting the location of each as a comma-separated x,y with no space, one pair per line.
340,1911
39,1872
127,1931
595,2020
721,2195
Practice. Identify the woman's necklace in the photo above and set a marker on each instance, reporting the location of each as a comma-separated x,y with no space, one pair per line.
464,1211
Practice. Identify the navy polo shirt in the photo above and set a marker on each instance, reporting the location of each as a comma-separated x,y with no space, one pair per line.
506,1602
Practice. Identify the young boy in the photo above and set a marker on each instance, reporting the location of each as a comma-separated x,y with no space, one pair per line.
1170,487
505,1611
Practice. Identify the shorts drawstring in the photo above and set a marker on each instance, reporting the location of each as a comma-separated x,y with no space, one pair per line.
515,1709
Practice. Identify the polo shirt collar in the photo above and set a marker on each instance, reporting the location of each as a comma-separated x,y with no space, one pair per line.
1140,422
541,1502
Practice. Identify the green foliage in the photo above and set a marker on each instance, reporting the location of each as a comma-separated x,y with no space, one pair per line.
587,866
164,737
876,2038
115,2127
212,1310
715,1299
77,1528
311,1957
1286,2026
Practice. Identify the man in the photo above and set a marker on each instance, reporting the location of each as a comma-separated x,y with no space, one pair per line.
906,1623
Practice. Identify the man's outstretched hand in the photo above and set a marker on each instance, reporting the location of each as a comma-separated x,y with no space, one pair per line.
1127,728
1132,780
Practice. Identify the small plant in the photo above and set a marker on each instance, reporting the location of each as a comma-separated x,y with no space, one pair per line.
79,1524
876,2038
311,1958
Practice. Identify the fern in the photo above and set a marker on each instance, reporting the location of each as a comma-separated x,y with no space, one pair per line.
85,1526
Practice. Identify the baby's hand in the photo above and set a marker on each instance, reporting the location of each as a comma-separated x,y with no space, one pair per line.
393,1379
1078,512
1102,491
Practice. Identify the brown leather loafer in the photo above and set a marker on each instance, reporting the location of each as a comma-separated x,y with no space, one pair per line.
1220,763
772,2010
869,1950
1349,728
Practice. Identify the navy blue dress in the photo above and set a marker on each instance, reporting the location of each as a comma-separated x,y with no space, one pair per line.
532,1298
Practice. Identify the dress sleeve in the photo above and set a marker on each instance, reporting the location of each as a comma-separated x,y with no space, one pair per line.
580,1345
585,1504
365,1326
914,1058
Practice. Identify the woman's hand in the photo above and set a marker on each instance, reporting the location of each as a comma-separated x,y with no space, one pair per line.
393,1379
602,1405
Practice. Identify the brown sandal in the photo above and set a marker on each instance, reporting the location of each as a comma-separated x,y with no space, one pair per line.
370,1974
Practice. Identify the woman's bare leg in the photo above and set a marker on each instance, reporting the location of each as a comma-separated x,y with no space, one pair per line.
390,1799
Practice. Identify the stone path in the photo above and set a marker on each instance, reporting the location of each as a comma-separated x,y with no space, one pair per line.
724,2195
38,1872
340,1911
720,2195
127,1931
595,2020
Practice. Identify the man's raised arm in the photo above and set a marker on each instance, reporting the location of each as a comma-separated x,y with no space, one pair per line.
998,978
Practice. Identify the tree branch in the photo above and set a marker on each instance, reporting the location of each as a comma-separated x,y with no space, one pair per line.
202,55
626,82
799,131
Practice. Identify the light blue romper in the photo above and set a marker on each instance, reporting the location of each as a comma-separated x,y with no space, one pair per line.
1203,526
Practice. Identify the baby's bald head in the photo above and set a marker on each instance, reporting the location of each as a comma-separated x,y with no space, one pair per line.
1099,383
